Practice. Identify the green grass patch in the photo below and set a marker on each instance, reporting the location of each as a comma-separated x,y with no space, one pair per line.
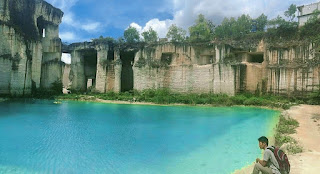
165,96
285,127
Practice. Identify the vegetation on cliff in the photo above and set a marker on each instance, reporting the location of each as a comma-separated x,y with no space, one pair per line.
243,31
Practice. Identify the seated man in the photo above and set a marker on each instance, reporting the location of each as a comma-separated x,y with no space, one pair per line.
269,164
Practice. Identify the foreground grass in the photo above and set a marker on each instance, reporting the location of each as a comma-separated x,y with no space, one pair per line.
164,96
285,127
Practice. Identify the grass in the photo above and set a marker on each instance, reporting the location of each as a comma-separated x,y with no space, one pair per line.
285,127
316,117
165,96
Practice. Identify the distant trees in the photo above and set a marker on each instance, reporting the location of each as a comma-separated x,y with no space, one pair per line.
131,35
261,22
230,28
176,34
150,35
202,30
291,12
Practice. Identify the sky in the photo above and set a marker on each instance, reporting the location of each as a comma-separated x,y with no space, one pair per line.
84,20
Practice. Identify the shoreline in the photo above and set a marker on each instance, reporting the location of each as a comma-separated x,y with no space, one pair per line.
271,136
97,100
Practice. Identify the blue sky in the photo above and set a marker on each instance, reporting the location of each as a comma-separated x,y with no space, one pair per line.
87,19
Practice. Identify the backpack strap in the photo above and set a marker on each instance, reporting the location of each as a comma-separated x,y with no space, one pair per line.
272,148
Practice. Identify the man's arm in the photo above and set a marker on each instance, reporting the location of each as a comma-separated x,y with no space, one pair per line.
262,162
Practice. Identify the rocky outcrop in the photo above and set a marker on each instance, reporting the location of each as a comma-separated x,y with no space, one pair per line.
30,47
291,69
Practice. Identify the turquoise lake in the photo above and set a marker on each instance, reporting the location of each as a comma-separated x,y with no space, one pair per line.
79,137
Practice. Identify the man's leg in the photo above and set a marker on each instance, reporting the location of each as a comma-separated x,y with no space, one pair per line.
258,167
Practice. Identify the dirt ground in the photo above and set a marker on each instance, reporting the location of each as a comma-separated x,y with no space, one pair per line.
308,135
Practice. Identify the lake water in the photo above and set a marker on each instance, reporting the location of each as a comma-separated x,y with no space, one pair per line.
80,137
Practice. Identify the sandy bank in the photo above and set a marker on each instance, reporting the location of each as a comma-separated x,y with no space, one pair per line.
308,135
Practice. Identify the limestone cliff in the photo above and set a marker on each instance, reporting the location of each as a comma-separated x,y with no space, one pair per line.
30,47
229,68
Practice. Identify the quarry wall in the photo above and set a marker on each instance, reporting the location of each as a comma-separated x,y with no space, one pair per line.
30,58
201,68
30,47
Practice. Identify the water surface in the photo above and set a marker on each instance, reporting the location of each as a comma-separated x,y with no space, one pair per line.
79,137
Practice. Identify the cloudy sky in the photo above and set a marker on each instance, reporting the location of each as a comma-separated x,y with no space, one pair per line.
87,19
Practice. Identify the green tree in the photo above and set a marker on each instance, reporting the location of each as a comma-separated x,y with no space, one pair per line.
232,28
176,34
150,35
242,26
131,35
314,17
202,30
261,22
291,12
101,39
276,22
280,28
224,29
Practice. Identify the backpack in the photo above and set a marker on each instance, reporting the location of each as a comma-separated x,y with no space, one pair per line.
282,160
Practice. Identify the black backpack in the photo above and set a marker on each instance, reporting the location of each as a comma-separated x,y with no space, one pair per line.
282,160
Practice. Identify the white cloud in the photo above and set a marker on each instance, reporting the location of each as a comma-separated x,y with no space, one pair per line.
186,12
137,26
64,5
161,27
90,27
70,19
67,36
66,58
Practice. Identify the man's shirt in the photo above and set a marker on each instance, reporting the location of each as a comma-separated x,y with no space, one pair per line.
271,160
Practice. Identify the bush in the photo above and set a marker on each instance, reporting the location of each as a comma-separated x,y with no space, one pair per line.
239,100
253,101
281,139
56,87
285,127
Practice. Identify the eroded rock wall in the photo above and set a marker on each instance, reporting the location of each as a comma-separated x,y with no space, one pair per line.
23,49
202,68
293,69
184,68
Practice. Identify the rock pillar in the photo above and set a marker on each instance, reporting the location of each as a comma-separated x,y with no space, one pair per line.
101,74
117,71
77,75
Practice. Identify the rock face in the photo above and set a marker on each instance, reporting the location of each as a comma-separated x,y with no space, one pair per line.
30,47
30,58
197,68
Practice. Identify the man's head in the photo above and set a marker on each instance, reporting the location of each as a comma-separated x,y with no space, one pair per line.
263,142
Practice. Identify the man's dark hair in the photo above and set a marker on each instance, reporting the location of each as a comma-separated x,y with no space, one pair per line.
263,139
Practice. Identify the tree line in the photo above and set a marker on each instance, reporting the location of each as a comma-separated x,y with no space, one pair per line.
230,28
